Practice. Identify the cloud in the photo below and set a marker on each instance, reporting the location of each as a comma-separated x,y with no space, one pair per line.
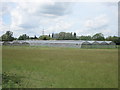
56,9
61,0
97,23
32,17
61,26
110,4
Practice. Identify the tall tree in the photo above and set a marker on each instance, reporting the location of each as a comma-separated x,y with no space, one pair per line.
115,39
44,37
74,35
65,36
85,38
71,35
98,36
49,35
8,36
35,37
52,35
23,37
61,35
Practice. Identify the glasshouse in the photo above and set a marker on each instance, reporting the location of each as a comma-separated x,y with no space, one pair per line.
62,43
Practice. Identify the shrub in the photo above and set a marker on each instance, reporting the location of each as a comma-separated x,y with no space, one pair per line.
10,80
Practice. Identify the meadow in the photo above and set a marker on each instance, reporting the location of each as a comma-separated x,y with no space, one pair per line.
47,67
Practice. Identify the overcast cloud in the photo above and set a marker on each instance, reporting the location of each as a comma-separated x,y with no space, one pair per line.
84,18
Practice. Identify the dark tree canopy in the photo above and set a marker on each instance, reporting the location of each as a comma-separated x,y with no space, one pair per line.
49,35
115,39
8,36
74,35
65,36
98,36
23,37
52,35
44,37
85,38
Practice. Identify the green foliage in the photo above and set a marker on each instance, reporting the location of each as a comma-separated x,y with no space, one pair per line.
35,37
23,37
10,80
44,37
109,38
0,38
52,35
115,39
85,38
49,35
98,36
74,35
8,36
64,36
61,35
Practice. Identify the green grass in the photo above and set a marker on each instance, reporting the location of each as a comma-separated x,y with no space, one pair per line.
45,67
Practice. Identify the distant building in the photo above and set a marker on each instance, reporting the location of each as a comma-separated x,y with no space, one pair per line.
63,43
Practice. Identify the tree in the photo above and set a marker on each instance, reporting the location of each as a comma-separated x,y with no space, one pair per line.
23,37
115,39
52,35
98,36
65,36
44,37
61,36
8,36
49,35
85,38
74,35
35,37
1,38
109,38
68,36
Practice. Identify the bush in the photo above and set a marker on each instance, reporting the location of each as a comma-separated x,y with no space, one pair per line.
10,80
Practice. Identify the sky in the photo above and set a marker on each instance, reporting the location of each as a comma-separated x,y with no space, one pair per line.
84,18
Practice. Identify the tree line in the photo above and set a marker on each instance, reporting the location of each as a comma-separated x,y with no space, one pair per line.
8,36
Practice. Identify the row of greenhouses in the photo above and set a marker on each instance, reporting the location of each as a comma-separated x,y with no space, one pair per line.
62,43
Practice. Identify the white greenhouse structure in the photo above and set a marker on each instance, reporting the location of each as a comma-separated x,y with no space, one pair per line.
62,43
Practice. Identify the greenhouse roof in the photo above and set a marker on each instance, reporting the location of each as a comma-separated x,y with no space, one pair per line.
58,41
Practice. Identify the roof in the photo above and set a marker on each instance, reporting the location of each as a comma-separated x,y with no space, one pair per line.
60,41
104,43
95,43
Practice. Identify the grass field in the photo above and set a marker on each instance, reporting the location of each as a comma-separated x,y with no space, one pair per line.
43,67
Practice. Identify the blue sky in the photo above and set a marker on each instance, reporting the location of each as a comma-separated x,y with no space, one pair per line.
84,18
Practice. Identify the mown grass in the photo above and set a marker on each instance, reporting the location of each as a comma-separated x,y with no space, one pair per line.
44,67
